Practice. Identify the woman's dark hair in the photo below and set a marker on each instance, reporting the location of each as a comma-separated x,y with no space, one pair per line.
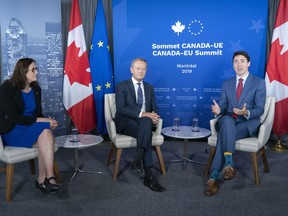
21,68
243,53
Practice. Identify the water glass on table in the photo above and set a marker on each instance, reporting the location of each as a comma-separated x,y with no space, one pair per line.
195,124
176,124
74,133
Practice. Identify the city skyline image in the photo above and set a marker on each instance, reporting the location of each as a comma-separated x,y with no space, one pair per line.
36,35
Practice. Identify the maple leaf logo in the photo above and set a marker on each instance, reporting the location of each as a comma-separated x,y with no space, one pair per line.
178,27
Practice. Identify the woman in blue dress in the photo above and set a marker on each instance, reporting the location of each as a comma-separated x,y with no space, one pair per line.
22,123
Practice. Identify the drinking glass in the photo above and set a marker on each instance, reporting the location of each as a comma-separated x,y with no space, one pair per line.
195,124
176,124
74,133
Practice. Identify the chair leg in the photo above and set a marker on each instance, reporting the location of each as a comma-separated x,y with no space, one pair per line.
264,159
160,159
210,160
255,168
9,181
57,172
117,162
110,154
32,166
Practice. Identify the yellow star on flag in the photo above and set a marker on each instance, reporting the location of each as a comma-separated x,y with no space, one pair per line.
108,85
98,87
100,44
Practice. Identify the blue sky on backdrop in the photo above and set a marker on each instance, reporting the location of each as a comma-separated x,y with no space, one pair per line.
32,13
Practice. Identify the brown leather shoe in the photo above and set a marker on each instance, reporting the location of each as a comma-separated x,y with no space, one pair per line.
229,173
212,187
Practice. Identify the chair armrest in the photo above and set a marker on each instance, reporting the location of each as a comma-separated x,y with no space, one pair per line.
263,134
265,130
212,126
111,128
1,145
267,124
159,126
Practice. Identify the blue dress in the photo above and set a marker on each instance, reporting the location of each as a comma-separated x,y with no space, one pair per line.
25,135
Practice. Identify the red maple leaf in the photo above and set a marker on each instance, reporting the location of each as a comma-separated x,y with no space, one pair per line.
278,66
76,66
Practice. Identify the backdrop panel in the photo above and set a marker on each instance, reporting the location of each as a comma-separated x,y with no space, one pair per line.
32,28
189,46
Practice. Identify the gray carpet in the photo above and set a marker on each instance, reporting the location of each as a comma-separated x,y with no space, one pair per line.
98,194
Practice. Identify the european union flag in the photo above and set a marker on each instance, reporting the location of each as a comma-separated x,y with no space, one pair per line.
101,67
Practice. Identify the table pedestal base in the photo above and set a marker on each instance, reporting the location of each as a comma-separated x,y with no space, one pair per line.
186,158
76,167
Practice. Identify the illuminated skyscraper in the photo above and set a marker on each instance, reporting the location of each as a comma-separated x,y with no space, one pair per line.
16,44
52,95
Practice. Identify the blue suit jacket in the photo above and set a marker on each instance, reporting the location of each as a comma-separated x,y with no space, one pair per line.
126,106
253,94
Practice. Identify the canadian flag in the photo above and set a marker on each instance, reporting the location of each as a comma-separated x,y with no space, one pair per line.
77,87
277,69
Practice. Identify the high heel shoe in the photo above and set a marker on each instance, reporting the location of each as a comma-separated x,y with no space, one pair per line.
51,187
41,186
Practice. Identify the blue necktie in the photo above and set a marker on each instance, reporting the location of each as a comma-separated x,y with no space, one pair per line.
140,94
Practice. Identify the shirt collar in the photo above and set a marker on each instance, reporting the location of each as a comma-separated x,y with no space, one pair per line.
244,77
135,81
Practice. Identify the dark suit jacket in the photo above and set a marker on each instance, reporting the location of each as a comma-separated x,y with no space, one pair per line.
253,94
12,107
126,106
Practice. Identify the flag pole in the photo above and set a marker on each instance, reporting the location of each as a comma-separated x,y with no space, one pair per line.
279,147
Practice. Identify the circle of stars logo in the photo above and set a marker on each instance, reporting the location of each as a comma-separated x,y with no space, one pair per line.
195,27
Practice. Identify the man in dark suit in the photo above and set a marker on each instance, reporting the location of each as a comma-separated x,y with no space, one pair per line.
238,117
136,115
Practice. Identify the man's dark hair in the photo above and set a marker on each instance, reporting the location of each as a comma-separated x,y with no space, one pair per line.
243,53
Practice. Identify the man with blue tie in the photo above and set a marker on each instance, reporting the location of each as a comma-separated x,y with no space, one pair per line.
239,109
136,115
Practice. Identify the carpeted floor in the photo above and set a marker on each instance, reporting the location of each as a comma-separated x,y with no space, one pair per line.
98,194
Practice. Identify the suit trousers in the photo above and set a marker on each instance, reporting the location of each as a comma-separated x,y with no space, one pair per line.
141,130
229,130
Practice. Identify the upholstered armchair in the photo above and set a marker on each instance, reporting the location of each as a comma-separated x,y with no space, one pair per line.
13,155
254,145
120,141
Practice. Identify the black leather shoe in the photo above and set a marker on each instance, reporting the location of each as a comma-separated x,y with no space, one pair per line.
152,183
41,187
51,187
137,166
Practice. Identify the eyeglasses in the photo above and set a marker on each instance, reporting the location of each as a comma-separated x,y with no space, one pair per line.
34,69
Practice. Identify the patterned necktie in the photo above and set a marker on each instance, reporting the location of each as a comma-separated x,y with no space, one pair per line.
140,94
239,89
